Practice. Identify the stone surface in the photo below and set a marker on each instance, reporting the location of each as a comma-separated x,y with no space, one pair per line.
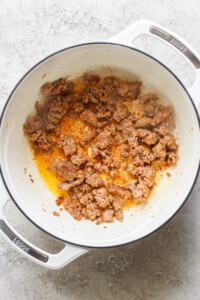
164,265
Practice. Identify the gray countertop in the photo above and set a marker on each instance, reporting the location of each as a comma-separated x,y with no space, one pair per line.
165,265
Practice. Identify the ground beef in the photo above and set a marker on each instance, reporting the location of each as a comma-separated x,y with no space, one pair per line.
60,86
103,140
144,122
79,159
150,104
148,137
112,142
66,185
129,89
139,190
89,117
64,169
125,151
86,138
121,113
127,128
68,144
102,197
94,180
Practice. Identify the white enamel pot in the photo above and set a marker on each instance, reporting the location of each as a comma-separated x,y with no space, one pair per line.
15,154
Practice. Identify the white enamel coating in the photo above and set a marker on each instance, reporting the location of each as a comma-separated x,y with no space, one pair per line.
15,154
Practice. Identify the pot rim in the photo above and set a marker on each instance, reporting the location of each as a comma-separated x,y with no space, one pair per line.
86,44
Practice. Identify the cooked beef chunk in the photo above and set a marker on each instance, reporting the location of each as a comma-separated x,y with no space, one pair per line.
66,185
139,190
86,138
108,215
79,159
150,104
94,180
64,169
125,151
121,113
102,197
89,117
103,140
144,122
68,144
129,89
74,207
161,116
60,86
55,110
148,137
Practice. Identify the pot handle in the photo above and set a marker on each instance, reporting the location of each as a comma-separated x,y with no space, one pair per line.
144,27
43,258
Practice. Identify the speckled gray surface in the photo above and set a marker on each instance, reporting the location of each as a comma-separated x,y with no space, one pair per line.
165,265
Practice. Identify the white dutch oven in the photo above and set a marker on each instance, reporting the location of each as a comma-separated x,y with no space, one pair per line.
15,155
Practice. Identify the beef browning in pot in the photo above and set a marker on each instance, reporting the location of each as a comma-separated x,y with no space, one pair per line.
103,142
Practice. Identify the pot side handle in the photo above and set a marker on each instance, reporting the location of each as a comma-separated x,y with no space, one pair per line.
145,27
43,258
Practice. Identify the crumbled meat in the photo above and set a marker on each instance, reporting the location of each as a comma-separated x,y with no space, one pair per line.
86,138
144,122
89,117
91,79
74,207
113,144
121,113
150,104
68,144
76,110
119,215
79,159
139,190
125,151
172,158
55,110
60,86
108,215
94,180
159,151
102,198
161,115
129,89
141,156
86,199
64,169
146,174
166,144
66,185
103,140
147,136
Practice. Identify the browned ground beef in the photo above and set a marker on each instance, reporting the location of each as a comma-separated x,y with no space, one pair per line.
103,104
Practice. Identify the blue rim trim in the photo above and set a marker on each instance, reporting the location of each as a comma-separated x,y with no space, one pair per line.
131,48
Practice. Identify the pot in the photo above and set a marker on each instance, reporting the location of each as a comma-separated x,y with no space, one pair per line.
15,154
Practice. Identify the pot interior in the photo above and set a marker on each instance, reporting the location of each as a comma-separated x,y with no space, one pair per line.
15,153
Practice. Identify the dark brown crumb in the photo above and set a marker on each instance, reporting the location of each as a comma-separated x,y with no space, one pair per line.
24,170
32,180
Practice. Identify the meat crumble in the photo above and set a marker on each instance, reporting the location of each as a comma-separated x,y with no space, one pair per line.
101,150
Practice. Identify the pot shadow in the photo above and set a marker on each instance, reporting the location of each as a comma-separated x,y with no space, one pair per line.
153,268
